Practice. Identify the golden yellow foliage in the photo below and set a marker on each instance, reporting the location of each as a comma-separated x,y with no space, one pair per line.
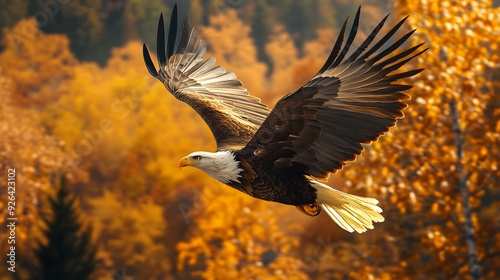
130,234
236,237
36,159
38,64
419,177
228,40
289,71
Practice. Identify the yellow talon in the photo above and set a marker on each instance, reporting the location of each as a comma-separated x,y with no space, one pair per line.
312,209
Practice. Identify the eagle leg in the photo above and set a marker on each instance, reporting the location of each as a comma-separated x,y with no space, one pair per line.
312,209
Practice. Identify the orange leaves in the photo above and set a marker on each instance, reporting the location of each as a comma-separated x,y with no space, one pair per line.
234,233
37,158
38,64
130,233
283,54
229,41
414,168
289,71
438,240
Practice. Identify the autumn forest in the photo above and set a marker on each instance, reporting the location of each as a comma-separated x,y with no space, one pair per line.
92,143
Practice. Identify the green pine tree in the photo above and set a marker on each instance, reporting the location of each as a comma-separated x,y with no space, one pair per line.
67,252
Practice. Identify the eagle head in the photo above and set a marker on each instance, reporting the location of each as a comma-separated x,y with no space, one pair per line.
219,165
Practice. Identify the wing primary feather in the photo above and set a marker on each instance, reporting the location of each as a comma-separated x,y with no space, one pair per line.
185,43
393,47
198,48
149,63
406,74
188,42
379,69
350,39
401,63
336,48
399,56
384,39
172,32
368,40
160,43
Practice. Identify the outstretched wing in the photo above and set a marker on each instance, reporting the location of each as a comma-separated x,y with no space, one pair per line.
217,95
351,101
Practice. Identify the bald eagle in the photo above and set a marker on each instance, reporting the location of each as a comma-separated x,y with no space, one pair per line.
283,154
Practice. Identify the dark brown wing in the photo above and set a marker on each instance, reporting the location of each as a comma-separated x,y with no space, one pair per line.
351,101
215,94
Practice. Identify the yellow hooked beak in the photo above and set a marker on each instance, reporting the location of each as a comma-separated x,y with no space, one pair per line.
187,161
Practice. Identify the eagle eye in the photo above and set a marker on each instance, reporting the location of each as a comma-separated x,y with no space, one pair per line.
197,157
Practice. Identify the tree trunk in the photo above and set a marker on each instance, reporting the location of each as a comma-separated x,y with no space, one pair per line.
470,239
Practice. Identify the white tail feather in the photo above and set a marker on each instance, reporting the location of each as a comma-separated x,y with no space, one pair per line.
350,212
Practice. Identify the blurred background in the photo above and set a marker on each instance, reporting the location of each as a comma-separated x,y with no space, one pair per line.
95,142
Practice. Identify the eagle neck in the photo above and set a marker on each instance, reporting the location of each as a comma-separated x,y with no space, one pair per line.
228,168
